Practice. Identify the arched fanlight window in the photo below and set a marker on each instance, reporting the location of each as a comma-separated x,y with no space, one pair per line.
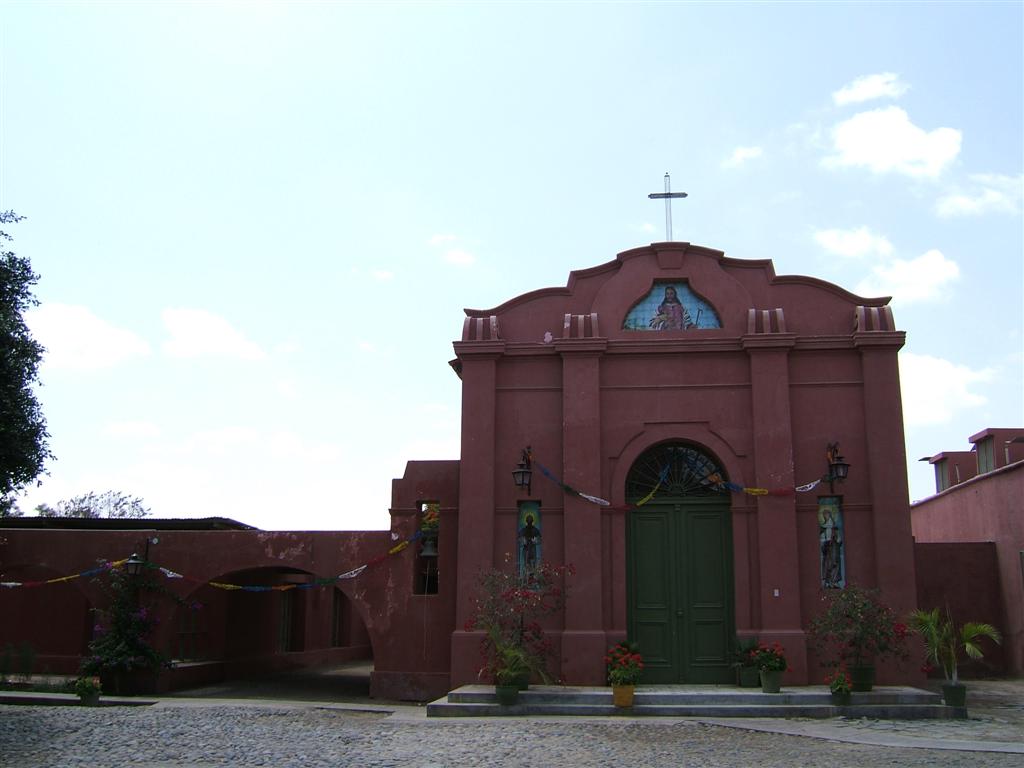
687,470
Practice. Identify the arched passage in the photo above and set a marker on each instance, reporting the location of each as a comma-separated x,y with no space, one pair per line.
680,591
272,619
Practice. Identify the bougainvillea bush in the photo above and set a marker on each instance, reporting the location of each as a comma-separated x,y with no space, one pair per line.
508,610
121,635
857,628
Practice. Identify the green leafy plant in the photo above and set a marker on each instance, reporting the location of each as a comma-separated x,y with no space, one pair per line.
745,654
624,663
857,628
943,640
770,658
838,681
511,664
87,686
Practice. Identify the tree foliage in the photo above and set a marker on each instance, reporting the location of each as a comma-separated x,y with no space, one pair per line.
111,504
23,436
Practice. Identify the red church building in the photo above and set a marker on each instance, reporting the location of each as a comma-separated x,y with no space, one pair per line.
681,413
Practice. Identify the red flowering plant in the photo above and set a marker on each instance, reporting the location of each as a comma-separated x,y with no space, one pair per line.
508,610
770,658
624,664
838,681
858,629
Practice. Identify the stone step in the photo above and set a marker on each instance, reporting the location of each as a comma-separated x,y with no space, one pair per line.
666,701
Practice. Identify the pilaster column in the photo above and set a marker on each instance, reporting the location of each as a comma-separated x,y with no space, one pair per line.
476,495
778,546
583,640
887,467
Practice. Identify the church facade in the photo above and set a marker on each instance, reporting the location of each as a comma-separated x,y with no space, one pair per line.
677,407
683,417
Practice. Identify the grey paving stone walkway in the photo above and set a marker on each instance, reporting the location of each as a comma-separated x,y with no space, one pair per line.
216,733
293,733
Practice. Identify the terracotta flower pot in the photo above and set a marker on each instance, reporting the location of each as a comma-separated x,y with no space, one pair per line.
622,695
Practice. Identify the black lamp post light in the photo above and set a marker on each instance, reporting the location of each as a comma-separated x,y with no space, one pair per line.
522,475
134,565
838,469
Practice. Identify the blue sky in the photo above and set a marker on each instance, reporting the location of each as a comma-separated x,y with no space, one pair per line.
257,224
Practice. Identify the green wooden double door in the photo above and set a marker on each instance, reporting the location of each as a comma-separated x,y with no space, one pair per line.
680,589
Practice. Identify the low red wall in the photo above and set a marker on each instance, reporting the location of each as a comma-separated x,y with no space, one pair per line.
965,578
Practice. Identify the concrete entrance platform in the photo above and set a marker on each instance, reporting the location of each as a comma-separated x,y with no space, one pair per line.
886,702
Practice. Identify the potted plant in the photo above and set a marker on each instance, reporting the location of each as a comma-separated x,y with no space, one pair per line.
625,665
745,662
88,690
512,663
507,611
858,630
943,642
840,685
771,663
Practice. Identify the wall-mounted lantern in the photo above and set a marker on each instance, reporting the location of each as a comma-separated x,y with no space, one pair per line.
522,475
838,469
133,567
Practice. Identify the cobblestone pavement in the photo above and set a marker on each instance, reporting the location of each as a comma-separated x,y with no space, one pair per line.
210,733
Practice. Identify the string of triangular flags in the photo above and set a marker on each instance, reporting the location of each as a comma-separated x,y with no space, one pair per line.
712,480
168,573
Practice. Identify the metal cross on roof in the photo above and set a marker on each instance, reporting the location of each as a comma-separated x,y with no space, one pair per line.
667,195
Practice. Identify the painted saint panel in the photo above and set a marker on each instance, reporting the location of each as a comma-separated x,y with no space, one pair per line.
832,542
528,533
671,307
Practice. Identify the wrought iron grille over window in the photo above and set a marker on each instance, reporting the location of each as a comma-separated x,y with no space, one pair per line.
691,472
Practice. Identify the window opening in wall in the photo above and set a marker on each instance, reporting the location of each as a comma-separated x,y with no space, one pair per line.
340,618
191,636
285,629
986,455
429,521
293,620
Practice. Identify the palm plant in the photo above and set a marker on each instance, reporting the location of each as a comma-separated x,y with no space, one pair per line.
943,641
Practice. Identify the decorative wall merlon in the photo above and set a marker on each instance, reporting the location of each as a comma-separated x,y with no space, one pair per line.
766,321
871,319
580,326
480,328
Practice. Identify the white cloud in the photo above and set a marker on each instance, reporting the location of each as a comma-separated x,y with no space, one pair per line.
439,239
853,243
77,340
992,193
868,87
919,279
459,257
382,274
934,389
366,346
740,155
885,140
198,333
132,430
648,227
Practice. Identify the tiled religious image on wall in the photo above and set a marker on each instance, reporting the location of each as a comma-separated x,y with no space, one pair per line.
831,542
528,538
671,307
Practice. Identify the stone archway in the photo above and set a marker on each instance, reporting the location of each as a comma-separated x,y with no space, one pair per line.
680,584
